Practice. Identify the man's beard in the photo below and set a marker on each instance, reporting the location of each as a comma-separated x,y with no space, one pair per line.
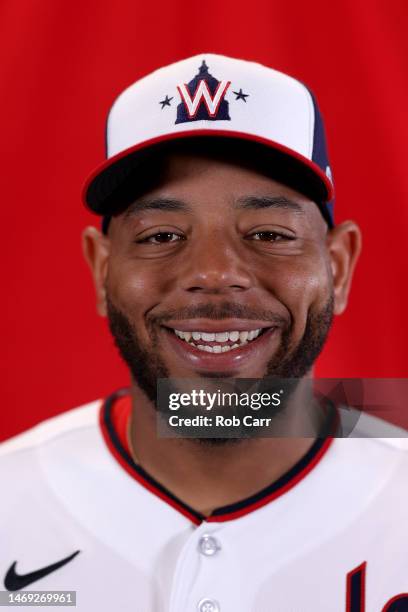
146,365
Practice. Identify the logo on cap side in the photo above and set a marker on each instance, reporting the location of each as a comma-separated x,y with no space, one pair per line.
203,98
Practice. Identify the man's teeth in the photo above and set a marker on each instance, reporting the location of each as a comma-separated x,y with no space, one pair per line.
239,338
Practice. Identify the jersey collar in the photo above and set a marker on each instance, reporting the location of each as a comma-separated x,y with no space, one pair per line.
113,418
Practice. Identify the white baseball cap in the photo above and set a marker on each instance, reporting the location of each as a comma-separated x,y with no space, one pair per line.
205,96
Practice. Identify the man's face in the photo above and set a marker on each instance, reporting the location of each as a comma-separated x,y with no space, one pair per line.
218,247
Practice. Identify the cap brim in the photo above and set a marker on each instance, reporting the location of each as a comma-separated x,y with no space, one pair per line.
101,192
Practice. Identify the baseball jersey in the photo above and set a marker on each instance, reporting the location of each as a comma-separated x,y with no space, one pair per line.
77,514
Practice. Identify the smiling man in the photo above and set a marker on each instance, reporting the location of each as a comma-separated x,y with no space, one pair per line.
218,259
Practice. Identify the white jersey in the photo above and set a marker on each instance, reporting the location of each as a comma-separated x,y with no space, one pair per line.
331,535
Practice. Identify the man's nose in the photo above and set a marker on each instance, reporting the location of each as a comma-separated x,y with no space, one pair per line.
216,264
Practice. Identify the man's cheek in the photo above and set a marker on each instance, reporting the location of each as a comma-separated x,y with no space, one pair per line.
131,286
302,293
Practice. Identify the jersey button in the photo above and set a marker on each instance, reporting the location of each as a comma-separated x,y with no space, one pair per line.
208,545
208,605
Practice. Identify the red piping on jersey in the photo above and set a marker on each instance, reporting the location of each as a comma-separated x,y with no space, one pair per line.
119,414
121,411
302,474
128,468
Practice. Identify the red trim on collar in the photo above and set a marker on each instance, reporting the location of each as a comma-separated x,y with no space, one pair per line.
283,489
119,414
121,410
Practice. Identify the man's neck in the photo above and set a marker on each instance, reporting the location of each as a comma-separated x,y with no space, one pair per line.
206,476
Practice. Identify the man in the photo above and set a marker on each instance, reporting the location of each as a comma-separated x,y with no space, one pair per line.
219,260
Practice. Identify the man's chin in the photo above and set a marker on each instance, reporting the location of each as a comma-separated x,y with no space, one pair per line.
217,442
203,375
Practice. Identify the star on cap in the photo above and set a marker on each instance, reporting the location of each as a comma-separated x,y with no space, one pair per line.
240,95
166,102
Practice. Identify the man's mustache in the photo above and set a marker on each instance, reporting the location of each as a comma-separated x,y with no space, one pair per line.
224,310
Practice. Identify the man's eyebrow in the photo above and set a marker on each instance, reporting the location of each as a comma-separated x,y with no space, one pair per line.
169,204
258,202
247,202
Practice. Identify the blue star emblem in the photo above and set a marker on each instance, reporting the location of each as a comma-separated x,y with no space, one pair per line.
166,101
240,95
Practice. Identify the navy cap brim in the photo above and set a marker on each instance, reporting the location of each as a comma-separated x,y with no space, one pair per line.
107,188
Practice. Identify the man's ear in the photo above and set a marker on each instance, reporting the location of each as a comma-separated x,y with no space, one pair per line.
344,246
95,246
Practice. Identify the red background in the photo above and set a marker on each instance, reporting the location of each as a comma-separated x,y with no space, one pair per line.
62,66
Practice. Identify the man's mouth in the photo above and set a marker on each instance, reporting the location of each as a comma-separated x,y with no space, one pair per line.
221,345
219,342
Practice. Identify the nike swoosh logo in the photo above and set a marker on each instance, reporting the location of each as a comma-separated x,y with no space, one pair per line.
14,581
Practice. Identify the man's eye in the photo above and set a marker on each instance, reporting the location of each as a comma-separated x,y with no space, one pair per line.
161,238
266,236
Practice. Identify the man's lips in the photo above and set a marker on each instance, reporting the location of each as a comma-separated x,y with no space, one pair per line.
219,325
252,352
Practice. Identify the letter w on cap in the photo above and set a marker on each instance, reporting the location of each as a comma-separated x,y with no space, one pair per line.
202,93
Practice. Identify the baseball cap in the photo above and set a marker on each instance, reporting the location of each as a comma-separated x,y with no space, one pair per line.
205,96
